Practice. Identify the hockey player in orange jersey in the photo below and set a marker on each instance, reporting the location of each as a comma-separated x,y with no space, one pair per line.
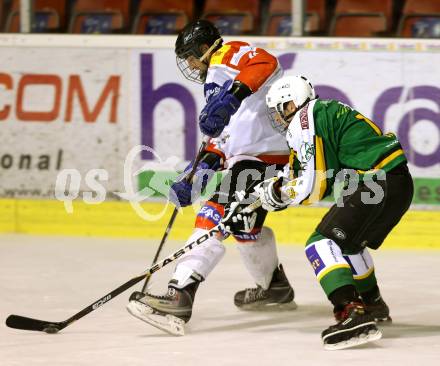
236,77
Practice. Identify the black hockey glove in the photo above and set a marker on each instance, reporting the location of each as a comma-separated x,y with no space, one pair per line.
240,217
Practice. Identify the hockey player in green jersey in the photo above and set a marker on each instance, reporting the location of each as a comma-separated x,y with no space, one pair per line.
331,141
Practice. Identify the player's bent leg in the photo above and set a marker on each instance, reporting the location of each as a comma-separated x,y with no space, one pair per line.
362,267
171,311
354,325
399,192
273,291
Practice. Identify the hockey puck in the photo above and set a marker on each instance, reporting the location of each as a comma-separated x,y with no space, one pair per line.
51,329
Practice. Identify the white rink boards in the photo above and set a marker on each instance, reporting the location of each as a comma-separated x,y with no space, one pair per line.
52,278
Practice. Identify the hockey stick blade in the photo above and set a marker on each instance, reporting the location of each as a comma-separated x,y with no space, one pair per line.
25,323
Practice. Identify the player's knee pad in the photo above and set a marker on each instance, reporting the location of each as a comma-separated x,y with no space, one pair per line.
325,256
203,258
267,237
210,215
260,256
361,264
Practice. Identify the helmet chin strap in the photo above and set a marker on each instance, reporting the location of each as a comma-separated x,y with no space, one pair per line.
205,56
210,49
289,117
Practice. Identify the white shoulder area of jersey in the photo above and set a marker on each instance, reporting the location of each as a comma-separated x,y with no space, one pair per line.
220,73
302,124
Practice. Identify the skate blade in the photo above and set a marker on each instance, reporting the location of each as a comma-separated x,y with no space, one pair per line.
373,335
168,323
288,306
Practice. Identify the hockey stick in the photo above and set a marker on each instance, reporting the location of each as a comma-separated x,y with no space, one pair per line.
25,323
138,294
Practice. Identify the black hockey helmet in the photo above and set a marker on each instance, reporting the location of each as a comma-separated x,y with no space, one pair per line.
194,35
189,43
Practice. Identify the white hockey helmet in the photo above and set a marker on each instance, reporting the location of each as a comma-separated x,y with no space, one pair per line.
297,89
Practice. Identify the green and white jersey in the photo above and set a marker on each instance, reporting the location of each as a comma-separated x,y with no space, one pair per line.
326,136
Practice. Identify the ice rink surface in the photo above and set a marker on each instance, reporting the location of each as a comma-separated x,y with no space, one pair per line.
51,278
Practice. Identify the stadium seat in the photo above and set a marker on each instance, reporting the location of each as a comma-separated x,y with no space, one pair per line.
233,17
162,17
360,18
49,16
279,19
100,16
420,19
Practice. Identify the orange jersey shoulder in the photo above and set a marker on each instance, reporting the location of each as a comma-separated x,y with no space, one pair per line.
254,65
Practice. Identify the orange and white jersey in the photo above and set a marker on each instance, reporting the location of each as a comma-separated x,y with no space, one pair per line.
249,134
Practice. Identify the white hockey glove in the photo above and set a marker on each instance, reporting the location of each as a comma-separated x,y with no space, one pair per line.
270,199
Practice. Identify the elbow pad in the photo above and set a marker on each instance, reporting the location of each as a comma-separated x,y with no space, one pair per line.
240,90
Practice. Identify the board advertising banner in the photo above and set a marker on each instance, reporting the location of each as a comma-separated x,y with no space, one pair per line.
62,108
86,107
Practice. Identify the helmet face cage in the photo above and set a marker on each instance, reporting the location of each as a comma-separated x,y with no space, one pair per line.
296,89
277,118
189,73
189,43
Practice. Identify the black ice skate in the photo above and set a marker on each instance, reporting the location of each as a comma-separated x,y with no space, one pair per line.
169,312
279,295
375,306
355,327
